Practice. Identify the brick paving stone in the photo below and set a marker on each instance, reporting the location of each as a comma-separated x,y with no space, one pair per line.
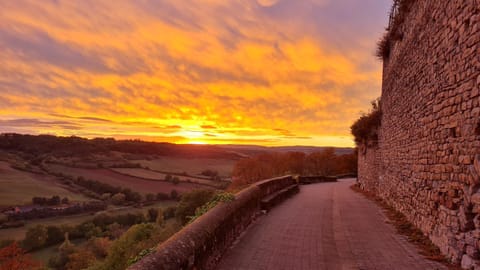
325,226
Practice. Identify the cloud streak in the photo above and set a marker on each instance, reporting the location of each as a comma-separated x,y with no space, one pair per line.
270,72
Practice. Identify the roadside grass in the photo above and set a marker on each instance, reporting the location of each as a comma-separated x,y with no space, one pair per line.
406,228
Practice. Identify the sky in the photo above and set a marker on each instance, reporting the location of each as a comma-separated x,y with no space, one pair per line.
266,72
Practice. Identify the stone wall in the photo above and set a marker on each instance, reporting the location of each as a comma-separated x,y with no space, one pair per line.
426,162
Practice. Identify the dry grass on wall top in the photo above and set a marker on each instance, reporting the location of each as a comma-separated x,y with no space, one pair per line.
398,13
404,227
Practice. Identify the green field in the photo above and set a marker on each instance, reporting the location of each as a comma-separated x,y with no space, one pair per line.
19,233
18,187
193,166
143,186
44,254
152,175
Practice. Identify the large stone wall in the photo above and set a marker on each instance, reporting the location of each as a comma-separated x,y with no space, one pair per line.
425,163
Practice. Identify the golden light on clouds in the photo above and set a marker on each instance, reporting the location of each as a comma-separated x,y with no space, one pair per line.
252,72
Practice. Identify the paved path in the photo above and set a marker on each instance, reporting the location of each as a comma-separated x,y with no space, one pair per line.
325,226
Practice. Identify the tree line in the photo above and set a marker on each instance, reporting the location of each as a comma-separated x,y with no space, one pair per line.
321,163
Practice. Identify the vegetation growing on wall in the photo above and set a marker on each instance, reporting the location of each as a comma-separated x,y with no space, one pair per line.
393,33
365,129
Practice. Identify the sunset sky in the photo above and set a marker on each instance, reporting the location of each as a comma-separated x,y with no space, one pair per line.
267,72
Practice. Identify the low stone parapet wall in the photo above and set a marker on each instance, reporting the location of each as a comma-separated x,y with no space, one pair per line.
201,244
316,179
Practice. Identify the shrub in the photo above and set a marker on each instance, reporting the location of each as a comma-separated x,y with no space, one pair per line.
127,246
383,47
218,198
160,218
152,214
190,201
366,127
118,199
174,194
150,197
35,238
175,180
162,196
169,212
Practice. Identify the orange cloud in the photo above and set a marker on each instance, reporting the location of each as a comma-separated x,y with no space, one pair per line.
267,72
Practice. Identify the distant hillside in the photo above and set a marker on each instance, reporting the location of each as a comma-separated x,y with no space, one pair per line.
76,146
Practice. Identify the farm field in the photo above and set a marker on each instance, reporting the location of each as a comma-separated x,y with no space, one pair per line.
18,187
19,233
134,183
152,175
193,166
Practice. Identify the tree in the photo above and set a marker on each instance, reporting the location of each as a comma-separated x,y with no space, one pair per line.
80,259
168,177
173,194
99,246
59,260
65,200
105,196
162,196
152,214
13,257
150,197
321,163
160,218
54,235
129,245
175,180
118,199
35,237
190,202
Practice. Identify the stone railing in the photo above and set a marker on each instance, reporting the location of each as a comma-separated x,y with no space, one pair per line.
202,243
316,179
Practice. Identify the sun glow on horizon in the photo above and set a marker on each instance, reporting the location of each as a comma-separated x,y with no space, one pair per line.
266,72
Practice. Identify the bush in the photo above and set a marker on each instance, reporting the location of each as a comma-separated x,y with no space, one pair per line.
169,212
152,214
128,246
218,198
174,194
118,199
162,196
175,180
150,197
36,237
190,201
160,218
365,129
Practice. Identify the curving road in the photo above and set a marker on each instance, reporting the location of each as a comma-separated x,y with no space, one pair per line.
325,226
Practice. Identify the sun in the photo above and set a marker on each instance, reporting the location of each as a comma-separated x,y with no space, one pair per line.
197,142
